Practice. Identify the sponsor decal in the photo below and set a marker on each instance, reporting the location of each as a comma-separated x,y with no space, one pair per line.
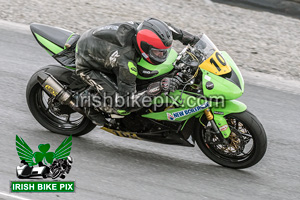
154,90
218,113
224,128
113,58
146,72
209,85
145,55
51,90
90,81
122,133
133,69
182,113
170,117
207,77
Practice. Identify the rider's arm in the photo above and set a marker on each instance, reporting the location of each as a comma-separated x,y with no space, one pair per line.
126,73
183,36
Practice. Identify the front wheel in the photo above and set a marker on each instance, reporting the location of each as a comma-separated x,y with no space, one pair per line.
246,146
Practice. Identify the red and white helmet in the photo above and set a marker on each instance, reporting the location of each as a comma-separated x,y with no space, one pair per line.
154,40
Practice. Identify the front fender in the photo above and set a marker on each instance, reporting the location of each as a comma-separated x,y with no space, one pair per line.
231,106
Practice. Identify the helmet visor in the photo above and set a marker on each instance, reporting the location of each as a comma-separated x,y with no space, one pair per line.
159,54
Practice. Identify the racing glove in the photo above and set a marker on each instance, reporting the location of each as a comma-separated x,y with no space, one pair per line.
141,99
183,36
170,84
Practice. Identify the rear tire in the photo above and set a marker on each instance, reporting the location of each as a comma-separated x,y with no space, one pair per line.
251,130
37,103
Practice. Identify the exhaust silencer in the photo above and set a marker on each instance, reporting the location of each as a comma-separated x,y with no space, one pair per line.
54,88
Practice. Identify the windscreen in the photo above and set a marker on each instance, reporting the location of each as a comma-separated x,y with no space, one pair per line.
213,60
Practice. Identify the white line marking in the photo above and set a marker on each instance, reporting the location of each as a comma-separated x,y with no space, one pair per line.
13,196
22,28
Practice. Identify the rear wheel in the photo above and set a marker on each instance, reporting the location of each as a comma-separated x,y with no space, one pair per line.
52,115
246,146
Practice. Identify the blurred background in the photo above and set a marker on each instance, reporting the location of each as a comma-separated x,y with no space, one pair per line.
255,37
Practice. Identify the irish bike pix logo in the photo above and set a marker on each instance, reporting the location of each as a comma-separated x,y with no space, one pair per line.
43,164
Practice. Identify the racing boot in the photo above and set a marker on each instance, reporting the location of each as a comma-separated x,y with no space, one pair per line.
85,100
95,116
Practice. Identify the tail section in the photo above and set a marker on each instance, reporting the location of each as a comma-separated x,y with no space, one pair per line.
58,42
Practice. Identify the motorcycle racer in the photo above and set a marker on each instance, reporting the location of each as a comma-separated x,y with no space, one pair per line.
106,59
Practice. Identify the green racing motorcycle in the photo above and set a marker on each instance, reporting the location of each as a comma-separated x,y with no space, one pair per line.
203,110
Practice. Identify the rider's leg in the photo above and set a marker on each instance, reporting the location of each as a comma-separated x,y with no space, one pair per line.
104,87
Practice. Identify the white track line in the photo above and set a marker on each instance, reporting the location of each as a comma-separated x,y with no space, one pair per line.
13,196
22,28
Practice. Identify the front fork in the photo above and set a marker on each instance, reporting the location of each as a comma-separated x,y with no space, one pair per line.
219,125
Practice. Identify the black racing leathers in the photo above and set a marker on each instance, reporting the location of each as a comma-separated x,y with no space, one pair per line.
107,59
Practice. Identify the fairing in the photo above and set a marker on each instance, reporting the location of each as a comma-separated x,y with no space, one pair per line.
229,86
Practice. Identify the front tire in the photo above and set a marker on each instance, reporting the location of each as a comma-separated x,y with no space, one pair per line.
247,142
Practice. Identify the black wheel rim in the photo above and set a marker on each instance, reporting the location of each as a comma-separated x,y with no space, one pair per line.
65,121
241,142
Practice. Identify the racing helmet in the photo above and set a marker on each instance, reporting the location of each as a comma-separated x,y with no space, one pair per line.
153,41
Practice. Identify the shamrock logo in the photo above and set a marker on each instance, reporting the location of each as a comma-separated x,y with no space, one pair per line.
26,153
39,156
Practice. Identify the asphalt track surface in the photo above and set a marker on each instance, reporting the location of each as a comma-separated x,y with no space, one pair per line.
110,167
